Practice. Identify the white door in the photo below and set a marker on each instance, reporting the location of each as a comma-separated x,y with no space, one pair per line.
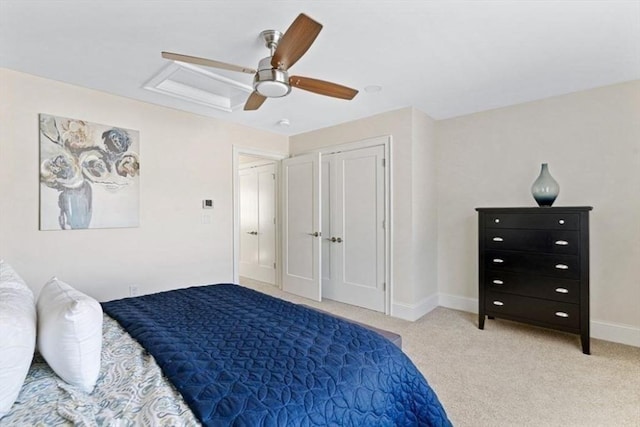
301,226
353,206
257,223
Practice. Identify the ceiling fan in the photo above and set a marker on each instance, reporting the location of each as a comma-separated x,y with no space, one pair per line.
271,79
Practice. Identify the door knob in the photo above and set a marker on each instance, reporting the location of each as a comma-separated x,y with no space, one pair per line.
314,234
339,240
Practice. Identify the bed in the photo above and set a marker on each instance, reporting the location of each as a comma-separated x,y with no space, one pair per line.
228,355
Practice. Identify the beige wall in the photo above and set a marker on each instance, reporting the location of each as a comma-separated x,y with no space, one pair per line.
184,159
425,206
591,141
414,225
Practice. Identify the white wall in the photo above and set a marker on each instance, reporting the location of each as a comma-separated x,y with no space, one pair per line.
184,159
414,226
591,141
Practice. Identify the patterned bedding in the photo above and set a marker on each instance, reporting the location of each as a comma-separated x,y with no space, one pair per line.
243,358
131,391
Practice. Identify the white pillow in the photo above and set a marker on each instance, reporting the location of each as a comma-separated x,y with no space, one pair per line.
70,333
10,279
17,335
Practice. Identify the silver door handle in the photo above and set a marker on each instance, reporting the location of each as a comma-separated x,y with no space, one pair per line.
498,260
562,314
562,242
562,290
498,303
314,234
562,266
498,239
255,233
498,282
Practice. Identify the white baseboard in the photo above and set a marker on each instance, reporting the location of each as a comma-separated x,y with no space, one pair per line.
414,311
615,332
458,303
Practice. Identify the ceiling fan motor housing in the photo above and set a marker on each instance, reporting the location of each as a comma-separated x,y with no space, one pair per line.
271,82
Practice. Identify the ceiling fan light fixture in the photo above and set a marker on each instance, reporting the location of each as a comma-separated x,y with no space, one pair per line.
272,83
272,89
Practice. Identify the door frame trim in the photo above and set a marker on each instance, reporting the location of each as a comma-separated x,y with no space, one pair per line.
387,142
270,155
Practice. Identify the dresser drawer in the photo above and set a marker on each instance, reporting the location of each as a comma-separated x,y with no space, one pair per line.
549,241
551,288
552,221
552,313
562,266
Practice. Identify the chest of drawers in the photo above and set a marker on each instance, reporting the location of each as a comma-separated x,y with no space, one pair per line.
534,267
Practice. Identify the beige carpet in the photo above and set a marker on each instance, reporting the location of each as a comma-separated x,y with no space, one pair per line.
509,374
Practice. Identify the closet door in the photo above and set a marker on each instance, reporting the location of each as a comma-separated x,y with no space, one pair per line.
353,237
301,261
257,223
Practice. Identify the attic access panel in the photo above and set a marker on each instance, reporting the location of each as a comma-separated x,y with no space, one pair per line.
194,84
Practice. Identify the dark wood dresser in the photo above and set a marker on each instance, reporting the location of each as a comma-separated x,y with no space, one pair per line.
534,267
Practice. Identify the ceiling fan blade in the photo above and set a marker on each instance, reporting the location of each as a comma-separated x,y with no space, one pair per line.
323,88
254,102
295,42
207,62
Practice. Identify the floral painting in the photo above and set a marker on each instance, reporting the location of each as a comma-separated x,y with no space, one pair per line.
89,175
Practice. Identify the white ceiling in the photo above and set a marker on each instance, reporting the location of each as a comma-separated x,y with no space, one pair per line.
446,58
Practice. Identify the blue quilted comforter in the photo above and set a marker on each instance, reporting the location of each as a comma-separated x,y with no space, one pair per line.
243,358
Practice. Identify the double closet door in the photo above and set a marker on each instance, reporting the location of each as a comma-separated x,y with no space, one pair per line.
257,223
334,220
353,227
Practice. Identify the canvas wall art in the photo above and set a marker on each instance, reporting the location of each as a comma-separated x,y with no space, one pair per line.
89,175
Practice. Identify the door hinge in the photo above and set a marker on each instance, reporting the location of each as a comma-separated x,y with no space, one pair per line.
274,265
384,224
384,162
384,286
273,175
274,220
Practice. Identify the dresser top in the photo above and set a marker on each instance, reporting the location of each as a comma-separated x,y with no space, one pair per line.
556,209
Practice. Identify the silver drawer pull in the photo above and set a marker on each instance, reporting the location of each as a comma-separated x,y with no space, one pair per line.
562,242
501,303
498,282
562,290
498,260
497,220
561,314
498,239
561,221
562,266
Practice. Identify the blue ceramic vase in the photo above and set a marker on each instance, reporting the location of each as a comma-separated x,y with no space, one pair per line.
545,189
